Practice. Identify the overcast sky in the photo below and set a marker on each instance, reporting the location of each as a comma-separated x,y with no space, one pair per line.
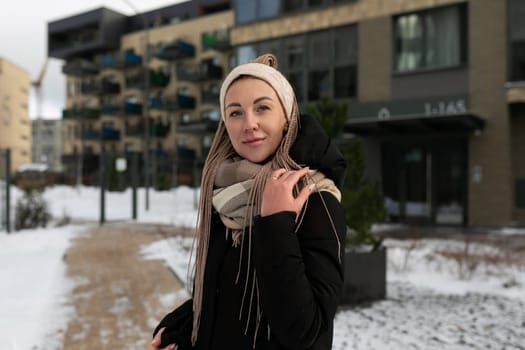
23,40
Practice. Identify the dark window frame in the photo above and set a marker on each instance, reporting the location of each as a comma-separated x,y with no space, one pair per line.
515,37
463,39
304,7
308,68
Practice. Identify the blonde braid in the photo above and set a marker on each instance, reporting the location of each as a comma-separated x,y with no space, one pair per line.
220,150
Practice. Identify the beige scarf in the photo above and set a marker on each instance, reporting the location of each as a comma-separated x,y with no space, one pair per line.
234,182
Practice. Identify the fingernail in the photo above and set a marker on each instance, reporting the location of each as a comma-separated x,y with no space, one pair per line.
311,187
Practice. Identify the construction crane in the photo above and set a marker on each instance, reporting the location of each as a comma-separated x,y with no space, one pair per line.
37,85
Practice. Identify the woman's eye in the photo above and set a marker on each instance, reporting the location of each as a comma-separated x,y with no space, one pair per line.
235,113
263,108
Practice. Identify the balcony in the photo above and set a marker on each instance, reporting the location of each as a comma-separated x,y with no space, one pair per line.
210,94
106,134
159,129
80,68
110,108
103,87
185,153
206,70
134,129
172,103
120,60
135,80
176,50
90,135
207,123
86,34
90,88
82,113
218,40
110,87
132,108
110,134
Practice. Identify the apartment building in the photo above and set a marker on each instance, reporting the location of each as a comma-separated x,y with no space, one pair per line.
15,126
46,147
433,87
144,82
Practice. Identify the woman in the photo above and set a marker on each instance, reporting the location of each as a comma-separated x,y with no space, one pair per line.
268,264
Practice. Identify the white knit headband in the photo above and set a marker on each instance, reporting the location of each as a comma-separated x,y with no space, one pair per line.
272,76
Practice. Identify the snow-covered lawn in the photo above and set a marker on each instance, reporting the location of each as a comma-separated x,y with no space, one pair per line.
442,293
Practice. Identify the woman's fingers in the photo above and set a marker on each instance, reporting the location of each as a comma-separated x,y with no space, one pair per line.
278,192
155,343
291,176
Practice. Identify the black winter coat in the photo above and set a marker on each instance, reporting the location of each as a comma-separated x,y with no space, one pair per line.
299,274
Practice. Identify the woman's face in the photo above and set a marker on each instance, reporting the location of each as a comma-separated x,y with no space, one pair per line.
254,119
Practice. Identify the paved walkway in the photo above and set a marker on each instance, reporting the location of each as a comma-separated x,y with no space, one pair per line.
119,296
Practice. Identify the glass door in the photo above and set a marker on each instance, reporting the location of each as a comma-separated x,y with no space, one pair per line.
407,182
425,182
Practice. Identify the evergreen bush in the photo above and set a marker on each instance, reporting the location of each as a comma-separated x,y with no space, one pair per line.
31,210
362,199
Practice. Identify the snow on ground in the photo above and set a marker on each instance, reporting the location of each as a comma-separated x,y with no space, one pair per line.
33,292
431,302
441,293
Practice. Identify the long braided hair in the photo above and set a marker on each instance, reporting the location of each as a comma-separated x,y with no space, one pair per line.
221,149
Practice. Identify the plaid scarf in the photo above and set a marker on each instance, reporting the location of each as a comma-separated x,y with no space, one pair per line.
234,181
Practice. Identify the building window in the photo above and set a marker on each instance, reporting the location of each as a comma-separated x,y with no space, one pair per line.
268,8
292,5
516,10
318,84
252,10
312,75
430,39
246,53
345,79
245,11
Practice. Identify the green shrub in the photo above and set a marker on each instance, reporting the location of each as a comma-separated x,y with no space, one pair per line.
362,199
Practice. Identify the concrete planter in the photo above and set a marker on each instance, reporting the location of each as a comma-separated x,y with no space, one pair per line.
365,276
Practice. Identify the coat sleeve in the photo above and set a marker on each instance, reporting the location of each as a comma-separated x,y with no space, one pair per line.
178,324
300,275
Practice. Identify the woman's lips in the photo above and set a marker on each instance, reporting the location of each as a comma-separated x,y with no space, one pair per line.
253,142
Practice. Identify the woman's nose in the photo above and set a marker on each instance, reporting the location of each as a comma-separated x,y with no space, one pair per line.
250,122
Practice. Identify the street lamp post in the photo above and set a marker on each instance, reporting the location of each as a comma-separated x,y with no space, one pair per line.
145,109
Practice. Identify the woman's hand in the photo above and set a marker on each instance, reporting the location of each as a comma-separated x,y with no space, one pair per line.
156,342
278,192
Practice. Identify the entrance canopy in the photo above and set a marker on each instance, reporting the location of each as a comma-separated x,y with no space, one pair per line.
429,116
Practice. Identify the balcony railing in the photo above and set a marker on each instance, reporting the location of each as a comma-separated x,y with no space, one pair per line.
210,95
207,123
172,103
160,129
102,87
206,70
218,40
134,129
120,60
110,108
157,79
176,50
81,113
80,68
132,108
106,133
110,134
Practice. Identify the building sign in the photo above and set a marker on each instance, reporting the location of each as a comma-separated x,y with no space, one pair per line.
407,109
